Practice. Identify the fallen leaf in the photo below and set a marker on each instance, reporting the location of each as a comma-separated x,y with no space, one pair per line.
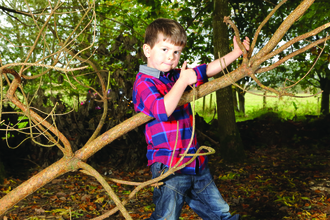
39,211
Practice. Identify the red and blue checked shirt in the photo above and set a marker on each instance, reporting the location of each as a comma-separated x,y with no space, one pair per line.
150,87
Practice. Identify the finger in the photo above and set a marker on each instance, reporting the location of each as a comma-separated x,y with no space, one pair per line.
234,39
247,45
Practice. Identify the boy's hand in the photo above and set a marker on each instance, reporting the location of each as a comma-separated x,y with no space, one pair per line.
187,75
172,98
246,44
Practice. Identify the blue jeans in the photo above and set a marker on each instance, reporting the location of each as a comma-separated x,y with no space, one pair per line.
198,191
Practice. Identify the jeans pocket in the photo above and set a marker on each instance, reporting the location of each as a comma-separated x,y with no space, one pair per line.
157,169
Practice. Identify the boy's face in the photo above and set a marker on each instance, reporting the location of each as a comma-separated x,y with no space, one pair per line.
164,56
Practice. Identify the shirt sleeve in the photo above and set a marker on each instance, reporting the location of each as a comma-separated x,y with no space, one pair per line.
201,74
147,99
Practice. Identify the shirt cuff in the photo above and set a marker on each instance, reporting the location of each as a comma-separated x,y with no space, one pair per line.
160,111
201,74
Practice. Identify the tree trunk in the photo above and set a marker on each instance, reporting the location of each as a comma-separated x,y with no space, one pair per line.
2,172
235,99
231,149
241,100
325,86
211,99
264,101
204,105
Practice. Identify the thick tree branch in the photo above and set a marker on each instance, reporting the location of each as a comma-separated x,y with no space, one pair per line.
280,32
39,180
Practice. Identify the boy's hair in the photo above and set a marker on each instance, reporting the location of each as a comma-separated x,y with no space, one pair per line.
170,29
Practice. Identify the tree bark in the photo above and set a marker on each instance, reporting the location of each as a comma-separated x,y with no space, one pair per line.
235,99
2,172
264,100
231,149
241,100
325,86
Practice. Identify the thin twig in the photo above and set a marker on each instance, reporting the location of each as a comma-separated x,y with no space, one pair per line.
91,171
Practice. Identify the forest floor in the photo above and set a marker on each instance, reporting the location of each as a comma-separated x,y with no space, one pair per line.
286,175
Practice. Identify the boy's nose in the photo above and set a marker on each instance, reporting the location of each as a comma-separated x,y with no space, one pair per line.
170,56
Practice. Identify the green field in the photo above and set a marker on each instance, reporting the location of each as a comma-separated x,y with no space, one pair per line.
286,107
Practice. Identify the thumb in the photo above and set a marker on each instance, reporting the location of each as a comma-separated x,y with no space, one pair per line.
184,65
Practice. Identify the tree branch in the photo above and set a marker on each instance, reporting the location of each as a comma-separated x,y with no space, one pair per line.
291,42
280,32
263,24
265,69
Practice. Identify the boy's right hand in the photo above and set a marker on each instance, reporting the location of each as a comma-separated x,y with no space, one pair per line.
172,98
187,75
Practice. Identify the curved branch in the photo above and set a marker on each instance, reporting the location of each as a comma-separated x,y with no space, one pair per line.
310,69
103,96
91,171
11,96
262,24
68,151
238,38
12,72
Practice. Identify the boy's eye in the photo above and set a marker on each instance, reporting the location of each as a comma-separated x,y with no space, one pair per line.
176,52
164,49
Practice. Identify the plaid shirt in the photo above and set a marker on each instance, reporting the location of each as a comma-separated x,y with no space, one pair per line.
150,87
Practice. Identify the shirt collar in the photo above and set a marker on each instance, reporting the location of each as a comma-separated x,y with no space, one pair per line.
150,71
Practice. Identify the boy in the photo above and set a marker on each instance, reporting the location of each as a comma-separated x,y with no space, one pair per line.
157,92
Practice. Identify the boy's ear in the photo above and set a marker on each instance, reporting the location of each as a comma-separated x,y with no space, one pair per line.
146,50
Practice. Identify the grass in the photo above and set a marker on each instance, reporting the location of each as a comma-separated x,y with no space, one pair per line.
286,107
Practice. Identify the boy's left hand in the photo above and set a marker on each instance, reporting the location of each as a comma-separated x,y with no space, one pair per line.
246,44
